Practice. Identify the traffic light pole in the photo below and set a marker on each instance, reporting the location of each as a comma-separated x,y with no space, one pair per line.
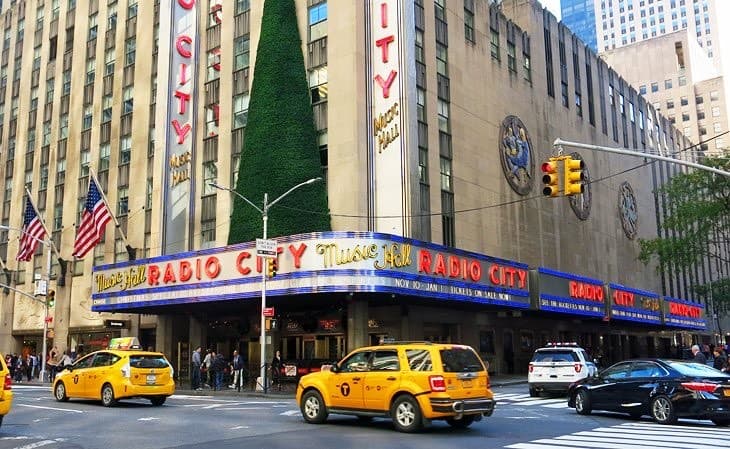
626,152
265,216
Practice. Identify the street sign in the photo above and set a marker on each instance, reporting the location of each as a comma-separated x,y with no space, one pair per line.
268,311
41,287
266,248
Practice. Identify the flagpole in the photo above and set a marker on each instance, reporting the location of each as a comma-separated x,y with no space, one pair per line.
45,229
106,202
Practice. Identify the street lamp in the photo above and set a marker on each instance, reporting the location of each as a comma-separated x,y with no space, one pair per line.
265,215
45,303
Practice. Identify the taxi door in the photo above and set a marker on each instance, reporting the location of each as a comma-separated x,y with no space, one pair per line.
76,385
345,387
382,381
99,372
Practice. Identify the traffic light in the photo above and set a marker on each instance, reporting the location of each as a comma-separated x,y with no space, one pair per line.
51,298
271,267
573,176
550,178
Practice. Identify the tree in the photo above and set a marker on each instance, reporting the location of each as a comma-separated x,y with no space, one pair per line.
697,225
280,141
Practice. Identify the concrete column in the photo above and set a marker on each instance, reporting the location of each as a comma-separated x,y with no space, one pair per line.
196,334
61,318
357,323
164,337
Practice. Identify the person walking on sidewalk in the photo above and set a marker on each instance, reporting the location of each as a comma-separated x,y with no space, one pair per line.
195,370
276,367
237,365
217,366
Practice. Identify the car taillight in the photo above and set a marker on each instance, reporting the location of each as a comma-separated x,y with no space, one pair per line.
699,386
8,382
578,367
531,367
437,383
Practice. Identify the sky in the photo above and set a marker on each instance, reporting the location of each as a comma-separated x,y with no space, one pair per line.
553,6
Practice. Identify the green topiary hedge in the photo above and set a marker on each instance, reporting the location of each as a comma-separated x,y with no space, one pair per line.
280,141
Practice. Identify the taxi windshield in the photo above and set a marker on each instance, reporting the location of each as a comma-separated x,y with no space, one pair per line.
147,361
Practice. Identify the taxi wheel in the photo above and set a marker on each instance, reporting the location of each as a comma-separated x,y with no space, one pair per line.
534,393
313,408
583,403
462,423
662,410
158,400
60,392
406,414
107,395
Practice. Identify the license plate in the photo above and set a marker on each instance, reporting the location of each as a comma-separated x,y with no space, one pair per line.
151,379
466,383
726,392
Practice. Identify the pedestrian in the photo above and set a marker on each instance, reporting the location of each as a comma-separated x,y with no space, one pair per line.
720,361
207,379
276,367
66,360
237,367
217,366
195,370
52,360
699,357
34,369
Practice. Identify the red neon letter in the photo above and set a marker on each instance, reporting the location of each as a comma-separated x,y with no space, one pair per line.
383,44
297,253
384,15
385,84
185,271
181,132
187,4
182,51
183,99
154,275
424,261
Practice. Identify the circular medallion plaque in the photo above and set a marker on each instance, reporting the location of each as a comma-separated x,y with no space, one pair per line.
516,155
628,209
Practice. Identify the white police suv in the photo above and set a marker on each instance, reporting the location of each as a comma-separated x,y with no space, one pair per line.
556,366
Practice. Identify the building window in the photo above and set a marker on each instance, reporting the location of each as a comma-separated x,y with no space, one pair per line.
104,152
33,100
440,9
242,50
421,104
242,6
240,110
667,84
125,150
420,56
131,9
106,108
670,104
318,21
469,21
716,111
682,80
214,64
90,70
130,51
655,87
88,111
442,59
685,117
66,82
318,84
684,101
50,85
127,100
93,26
111,14
494,43
714,95
122,200
511,57
84,161
109,59
717,127
443,115
63,127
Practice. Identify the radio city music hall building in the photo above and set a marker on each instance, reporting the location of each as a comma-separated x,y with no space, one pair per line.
432,118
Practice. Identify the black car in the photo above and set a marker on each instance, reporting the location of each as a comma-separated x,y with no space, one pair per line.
664,389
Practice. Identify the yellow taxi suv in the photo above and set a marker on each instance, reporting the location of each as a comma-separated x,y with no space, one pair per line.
113,374
6,394
410,383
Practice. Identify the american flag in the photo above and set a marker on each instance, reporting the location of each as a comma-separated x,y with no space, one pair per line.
33,232
95,216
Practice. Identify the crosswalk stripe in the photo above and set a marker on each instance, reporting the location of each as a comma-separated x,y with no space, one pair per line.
632,435
561,404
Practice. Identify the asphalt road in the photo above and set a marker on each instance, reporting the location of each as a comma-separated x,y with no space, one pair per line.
232,421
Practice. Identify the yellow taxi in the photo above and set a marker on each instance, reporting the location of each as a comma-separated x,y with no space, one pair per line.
6,394
117,373
411,383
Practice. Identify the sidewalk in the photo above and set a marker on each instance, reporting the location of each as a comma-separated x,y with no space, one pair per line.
495,381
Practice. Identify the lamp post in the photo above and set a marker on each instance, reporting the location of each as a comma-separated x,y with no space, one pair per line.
264,211
42,374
